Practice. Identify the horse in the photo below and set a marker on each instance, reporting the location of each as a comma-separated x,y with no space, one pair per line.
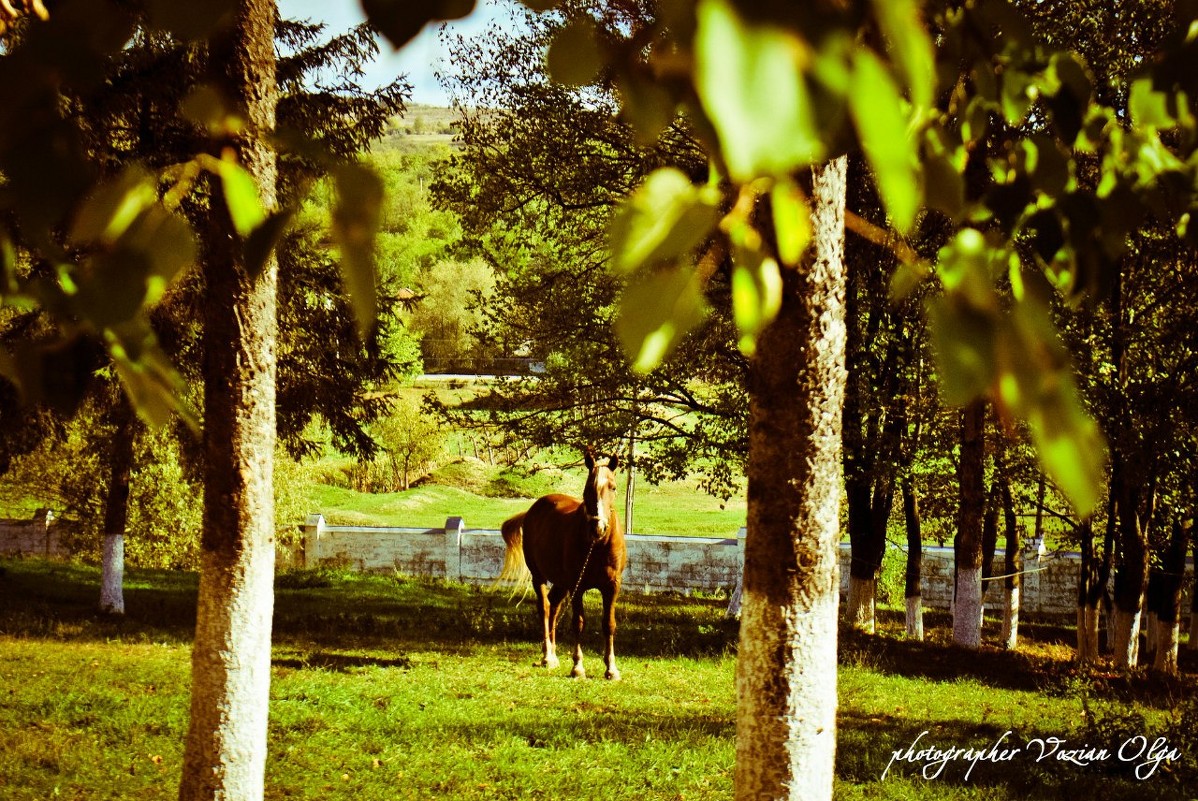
573,546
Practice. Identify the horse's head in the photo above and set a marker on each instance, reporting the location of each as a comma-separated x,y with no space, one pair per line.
599,497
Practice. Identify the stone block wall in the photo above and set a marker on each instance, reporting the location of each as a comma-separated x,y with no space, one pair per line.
38,536
661,563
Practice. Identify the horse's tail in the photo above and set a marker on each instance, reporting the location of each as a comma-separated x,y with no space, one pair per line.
515,570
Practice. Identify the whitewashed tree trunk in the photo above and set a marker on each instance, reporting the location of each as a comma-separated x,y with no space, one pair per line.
225,751
860,609
1167,636
1010,619
915,617
967,611
786,663
1126,642
112,575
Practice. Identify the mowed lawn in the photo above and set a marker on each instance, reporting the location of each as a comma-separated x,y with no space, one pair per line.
393,688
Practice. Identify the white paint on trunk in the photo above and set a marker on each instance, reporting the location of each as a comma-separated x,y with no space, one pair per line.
860,609
231,672
1167,636
915,617
967,610
112,575
1010,620
1126,645
804,720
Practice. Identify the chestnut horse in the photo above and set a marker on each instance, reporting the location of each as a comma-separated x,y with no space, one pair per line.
573,546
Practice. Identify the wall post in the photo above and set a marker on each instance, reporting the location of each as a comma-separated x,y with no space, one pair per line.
314,529
454,528
733,611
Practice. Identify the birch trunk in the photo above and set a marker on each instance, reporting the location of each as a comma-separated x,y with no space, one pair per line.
225,751
786,664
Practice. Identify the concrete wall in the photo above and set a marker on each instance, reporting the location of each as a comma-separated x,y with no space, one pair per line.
658,563
37,536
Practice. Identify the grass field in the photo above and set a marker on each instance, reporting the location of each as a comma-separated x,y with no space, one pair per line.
390,688
484,496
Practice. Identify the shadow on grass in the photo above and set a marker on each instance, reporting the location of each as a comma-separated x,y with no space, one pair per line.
335,610
1043,663
340,663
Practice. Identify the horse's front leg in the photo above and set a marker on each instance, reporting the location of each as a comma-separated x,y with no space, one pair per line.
578,671
555,597
544,608
609,631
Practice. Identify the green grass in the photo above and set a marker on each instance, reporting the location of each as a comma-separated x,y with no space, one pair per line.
484,496
385,687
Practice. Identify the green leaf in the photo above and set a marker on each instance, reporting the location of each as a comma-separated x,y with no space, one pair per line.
262,240
1148,107
963,342
1016,101
241,196
205,106
756,296
574,58
1070,446
650,108
355,223
881,122
107,214
792,221
964,267
751,81
155,388
657,309
402,20
665,217
910,47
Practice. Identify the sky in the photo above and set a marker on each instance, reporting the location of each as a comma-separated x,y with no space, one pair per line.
418,60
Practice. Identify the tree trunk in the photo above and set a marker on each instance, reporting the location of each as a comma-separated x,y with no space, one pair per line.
967,606
116,509
225,751
1193,644
1131,578
1013,567
989,543
1169,611
1087,597
914,596
786,664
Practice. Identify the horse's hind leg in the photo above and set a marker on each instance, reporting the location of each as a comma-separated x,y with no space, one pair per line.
547,613
578,671
609,631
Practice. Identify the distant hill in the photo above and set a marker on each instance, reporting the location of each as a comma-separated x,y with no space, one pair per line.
422,120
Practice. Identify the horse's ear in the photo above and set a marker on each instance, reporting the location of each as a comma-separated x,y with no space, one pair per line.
588,456
612,462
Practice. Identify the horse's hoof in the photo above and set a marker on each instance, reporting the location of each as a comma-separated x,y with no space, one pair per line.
578,672
548,663
612,675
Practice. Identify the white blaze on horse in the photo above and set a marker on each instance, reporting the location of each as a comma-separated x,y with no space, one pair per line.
572,546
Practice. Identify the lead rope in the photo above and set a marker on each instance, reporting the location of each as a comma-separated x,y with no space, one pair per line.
570,598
